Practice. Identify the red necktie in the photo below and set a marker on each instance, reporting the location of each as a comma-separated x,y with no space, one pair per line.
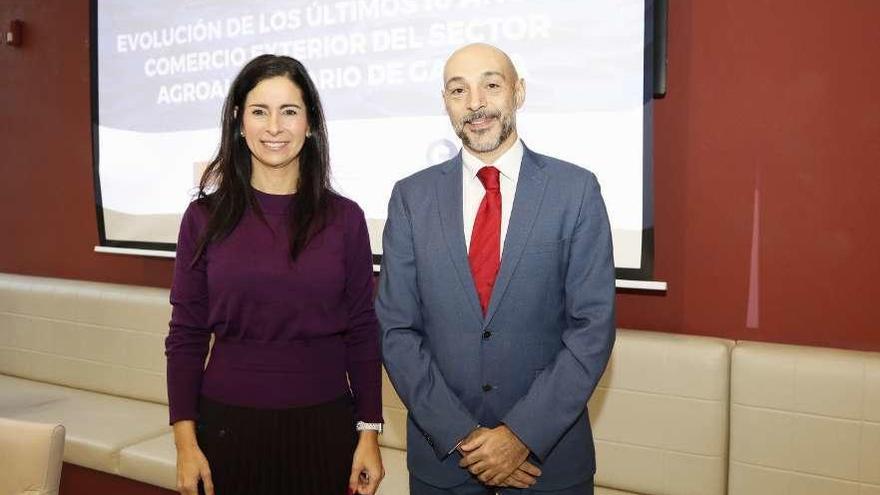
485,249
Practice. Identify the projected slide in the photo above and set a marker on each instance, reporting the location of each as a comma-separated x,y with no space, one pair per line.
164,67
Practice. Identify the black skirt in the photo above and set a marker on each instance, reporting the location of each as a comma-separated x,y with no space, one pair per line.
303,450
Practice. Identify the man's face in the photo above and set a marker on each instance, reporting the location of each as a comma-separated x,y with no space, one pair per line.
482,93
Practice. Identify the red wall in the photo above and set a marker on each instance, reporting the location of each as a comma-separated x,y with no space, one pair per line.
47,205
775,96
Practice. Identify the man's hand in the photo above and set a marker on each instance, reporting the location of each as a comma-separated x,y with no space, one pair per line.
492,455
524,476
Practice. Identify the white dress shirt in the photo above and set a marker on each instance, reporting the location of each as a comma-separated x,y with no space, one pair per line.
473,191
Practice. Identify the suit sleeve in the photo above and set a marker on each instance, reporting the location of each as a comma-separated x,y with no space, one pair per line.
567,383
435,408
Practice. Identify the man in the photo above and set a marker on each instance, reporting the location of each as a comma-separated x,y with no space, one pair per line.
496,300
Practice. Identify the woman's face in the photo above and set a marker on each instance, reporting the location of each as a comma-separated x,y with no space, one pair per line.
274,123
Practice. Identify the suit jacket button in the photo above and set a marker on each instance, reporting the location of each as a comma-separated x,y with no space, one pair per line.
487,334
487,387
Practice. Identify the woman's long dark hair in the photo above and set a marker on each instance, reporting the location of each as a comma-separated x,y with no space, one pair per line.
225,188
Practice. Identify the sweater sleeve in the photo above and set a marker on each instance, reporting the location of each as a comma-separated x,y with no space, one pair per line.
186,346
362,337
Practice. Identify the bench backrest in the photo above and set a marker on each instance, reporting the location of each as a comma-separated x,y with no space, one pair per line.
660,415
101,337
804,421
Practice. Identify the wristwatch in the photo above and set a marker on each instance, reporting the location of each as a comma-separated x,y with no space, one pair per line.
362,426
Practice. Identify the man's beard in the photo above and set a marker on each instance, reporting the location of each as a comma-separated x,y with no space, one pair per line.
508,125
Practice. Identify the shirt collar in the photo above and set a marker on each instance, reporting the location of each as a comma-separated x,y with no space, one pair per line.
508,163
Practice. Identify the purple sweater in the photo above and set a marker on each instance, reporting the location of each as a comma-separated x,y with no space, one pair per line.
285,334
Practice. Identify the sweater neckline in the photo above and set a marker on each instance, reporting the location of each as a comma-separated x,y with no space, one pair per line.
273,203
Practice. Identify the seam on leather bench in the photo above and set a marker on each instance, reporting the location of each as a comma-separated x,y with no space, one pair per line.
661,394
84,360
83,323
805,414
659,449
36,404
803,473
71,387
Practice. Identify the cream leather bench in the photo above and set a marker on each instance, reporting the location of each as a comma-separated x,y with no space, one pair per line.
804,421
87,356
659,416
90,356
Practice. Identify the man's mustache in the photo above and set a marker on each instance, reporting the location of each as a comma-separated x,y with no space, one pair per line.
479,114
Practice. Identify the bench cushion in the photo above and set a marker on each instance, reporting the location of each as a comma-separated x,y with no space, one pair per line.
660,415
804,421
98,425
153,461
92,336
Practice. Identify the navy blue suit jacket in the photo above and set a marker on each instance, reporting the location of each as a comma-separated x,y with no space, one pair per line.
534,360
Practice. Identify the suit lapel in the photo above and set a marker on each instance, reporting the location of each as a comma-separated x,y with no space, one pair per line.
449,201
527,200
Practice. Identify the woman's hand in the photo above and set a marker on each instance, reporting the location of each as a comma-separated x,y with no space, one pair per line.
366,466
192,465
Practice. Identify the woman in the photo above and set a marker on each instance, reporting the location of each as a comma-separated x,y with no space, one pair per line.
278,268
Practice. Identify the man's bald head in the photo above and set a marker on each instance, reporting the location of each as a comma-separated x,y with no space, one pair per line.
481,56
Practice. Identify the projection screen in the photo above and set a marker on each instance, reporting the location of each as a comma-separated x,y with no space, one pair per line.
161,70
